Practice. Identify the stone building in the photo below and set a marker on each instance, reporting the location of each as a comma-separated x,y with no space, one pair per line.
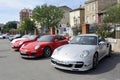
25,13
94,8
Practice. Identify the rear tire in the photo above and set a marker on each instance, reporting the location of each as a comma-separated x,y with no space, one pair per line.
95,60
47,51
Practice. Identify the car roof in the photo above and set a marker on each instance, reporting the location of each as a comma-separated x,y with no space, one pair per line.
88,35
50,35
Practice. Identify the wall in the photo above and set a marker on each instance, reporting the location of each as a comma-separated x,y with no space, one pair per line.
74,18
115,44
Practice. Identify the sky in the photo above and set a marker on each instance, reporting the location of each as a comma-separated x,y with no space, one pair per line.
9,9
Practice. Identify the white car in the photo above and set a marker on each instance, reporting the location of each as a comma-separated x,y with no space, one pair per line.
23,37
82,53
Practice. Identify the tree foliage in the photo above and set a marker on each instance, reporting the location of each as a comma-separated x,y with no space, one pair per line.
9,25
47,16
112,14
104,30
28,25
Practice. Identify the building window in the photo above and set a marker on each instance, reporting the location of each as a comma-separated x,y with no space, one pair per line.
93,17
87,19
87,8
93,7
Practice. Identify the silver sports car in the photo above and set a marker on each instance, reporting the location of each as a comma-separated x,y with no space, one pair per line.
82,53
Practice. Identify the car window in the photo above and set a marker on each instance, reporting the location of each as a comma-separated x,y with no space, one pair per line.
84,40
32,37
25,36
46,38
59,37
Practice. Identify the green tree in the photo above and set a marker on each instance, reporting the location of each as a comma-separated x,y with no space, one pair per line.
112,15
48,16
27,26
103,30
9,25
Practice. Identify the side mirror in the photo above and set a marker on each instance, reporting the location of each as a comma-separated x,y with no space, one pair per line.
101,42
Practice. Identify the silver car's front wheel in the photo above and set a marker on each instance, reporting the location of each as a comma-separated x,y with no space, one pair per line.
95,60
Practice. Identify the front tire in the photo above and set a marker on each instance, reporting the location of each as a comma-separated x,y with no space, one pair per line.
47,51
95,60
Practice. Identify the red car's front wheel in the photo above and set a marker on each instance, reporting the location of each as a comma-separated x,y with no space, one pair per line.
47,51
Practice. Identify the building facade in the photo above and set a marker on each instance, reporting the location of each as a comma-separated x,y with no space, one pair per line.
66,18
76,20
25,13
94,10
76,17
64,23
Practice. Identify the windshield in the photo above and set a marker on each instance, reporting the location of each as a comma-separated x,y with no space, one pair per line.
46,38
84,40
25,36
32,37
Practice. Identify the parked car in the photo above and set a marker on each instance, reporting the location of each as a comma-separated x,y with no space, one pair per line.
22,38
25,39
4,36
15,37
82,53
44,46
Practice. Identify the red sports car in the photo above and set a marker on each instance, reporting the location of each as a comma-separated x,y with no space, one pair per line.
43,46
25,39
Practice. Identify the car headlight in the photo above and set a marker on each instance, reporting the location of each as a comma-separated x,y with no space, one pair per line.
20,43
37,47
84,54
56,50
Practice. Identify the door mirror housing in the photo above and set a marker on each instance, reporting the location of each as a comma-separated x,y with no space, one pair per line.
101,42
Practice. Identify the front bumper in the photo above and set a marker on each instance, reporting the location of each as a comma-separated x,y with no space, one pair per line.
16,47
30,53
72,65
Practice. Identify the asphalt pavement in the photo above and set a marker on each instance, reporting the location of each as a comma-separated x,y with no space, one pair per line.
13,67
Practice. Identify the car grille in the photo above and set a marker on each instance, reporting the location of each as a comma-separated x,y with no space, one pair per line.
75,65
15,47
24,54
79,64
32,54
64,65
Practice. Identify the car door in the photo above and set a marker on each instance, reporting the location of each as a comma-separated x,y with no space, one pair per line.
60,41
57,42
102,47
63,40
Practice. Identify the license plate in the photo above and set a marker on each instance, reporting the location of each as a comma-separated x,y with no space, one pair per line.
62,62
59,61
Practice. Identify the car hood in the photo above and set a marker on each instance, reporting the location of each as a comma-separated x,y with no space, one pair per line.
32,45
72,51
13,41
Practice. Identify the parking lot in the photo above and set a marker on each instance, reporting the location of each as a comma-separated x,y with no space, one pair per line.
13,67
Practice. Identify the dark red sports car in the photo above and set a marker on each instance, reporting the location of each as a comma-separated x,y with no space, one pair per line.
25,39
43,46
